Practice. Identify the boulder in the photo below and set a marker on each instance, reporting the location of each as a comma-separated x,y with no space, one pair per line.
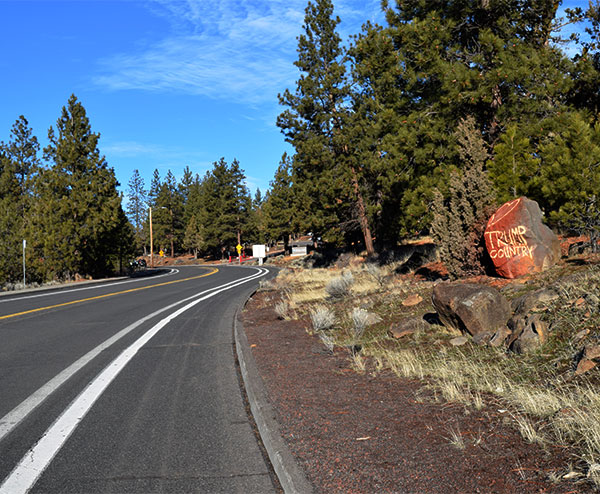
517,240
584,366
587,359
408,327
499,337
533,301
530,337
471,308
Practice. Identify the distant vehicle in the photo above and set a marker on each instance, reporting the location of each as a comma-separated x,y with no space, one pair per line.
136,264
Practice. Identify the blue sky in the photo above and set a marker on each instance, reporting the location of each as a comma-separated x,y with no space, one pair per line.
166,83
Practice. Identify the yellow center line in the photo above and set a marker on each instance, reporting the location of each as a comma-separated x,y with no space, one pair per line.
107,295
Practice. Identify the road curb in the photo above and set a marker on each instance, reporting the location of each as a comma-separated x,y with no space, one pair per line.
289,473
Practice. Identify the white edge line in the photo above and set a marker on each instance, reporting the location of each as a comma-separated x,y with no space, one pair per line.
58,291
32,465
21,411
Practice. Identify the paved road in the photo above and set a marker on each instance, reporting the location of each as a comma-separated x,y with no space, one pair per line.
128,387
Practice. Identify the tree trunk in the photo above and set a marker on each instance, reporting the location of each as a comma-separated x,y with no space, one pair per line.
286,243
362,215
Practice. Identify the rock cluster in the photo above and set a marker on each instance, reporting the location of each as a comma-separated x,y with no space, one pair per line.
481,314
485,314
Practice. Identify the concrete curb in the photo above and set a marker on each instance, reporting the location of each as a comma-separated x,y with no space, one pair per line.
288,471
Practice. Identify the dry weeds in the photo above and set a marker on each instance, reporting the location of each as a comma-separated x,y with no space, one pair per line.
547,403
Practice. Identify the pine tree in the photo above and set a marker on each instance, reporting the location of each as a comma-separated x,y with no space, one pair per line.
23,149
585,93
459,220
155,186
514,168
191,214
569,172
77,208
376,98
311,121
453,58
241,201
11,222
123,243
225,207
137,209
168,214
279,205
185,186
256,223
193,238
18,166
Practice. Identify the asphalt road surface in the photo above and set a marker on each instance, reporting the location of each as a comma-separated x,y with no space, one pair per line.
128,387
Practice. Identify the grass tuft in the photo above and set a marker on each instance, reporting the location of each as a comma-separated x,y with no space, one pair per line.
322,318
340,287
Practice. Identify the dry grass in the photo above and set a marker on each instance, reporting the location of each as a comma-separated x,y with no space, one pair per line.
547,403
282,309
327,340
322,318
340,287
456,439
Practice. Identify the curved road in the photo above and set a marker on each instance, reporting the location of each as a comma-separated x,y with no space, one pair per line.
128,387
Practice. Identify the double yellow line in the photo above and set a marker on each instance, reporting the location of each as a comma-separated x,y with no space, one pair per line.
39,309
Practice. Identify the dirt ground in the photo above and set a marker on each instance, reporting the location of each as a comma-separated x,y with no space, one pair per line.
358,432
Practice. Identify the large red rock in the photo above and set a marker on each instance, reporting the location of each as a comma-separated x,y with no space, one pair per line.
517,240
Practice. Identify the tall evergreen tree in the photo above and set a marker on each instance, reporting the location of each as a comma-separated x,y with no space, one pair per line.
569,172
383,170
225,207
137,209
279,207
11,221
191,213
123,243
168,214
193,239
185,186
240,202
490,59
256,227
77,207
18,166
158,234
23,149
155,185
312,120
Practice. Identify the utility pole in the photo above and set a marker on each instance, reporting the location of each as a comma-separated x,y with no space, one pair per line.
24,279
151,246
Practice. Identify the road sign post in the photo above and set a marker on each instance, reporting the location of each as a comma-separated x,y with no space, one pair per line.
259,252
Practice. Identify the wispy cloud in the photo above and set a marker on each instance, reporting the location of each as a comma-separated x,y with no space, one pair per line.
161,157
238,50
130,148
